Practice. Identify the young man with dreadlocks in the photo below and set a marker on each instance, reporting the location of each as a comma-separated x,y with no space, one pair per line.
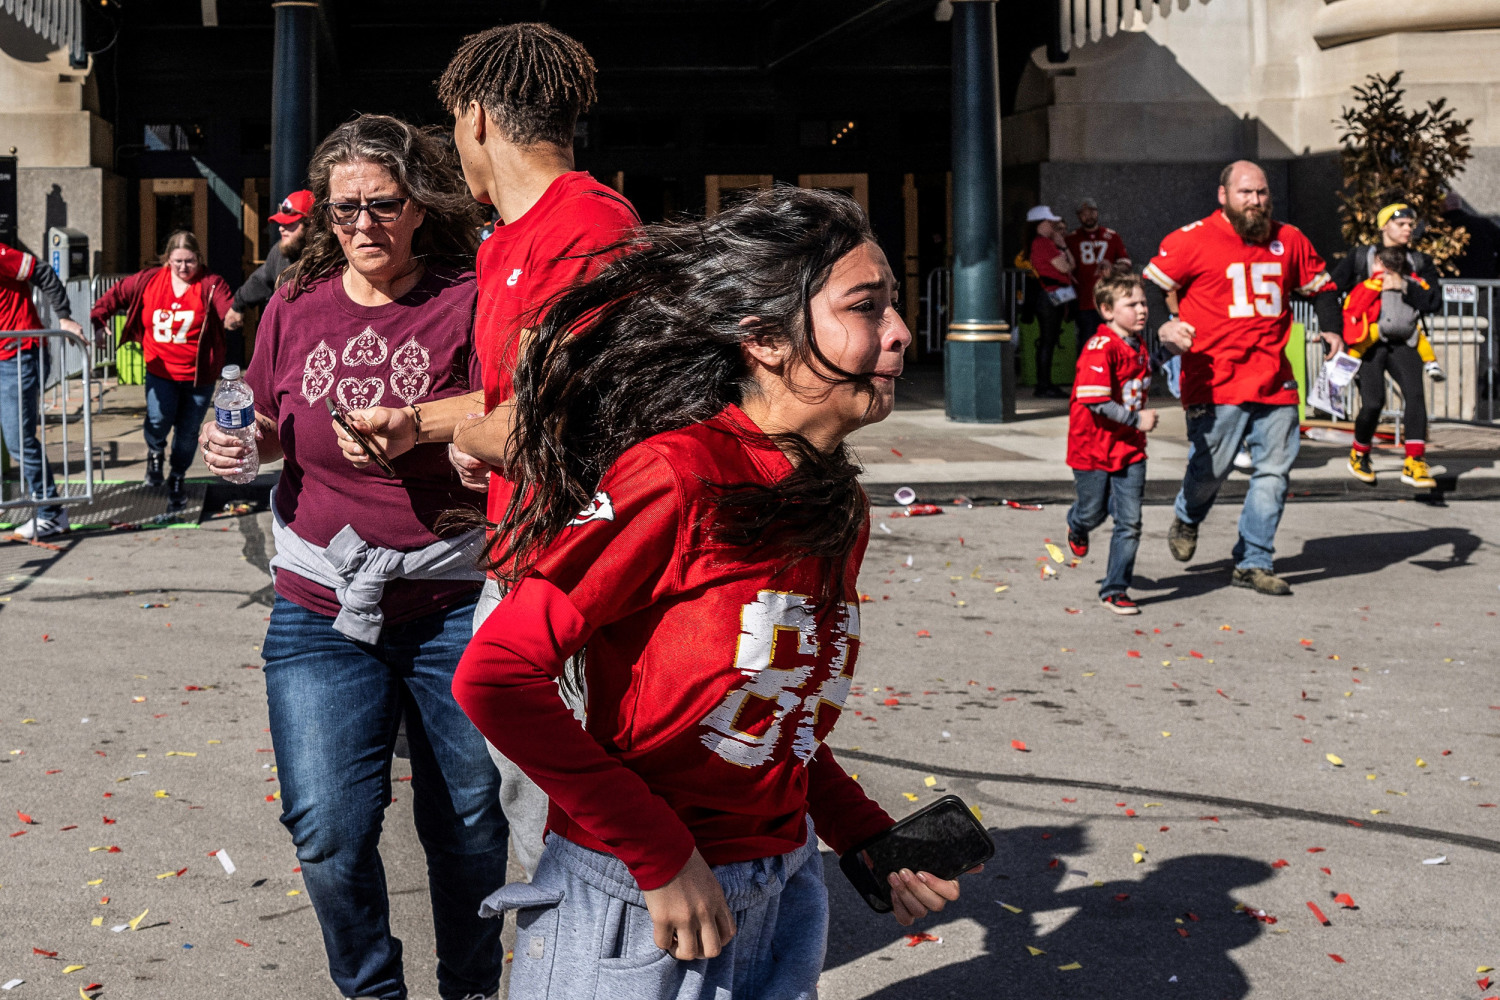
516,92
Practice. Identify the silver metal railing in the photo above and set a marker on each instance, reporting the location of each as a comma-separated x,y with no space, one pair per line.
56,380
937,303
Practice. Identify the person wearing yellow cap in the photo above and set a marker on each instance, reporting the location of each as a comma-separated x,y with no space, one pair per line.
1407,295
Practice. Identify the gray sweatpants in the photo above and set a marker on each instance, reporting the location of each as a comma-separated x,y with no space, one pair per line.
583,930
524,804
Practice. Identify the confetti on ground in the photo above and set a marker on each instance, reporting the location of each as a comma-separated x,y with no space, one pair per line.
1439,860
1337,958
1035,951
1019,745
1334,759
1318,914
1070,967
912,940
223,857
137,921
1345,900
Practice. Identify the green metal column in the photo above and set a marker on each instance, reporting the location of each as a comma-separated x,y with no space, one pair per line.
292,96
979,380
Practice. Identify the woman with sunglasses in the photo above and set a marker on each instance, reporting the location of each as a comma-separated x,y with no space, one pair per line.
178,312
374,598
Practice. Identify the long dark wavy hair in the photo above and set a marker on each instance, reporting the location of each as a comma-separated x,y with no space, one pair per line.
426,168
652,343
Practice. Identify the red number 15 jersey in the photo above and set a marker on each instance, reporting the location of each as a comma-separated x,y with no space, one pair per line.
1237,297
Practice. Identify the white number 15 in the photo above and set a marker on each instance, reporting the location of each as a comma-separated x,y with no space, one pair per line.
1264,280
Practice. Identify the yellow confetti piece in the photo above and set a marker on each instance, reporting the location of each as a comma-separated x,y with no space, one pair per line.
1152,805
277,795
138,698
1376,812
27,722
929,781
133,924
212,742
167,875
1002,589
1421,762
963,604
1369,777
1348,694
1165,733
73,968
854,776
1070,967
294,892
97,922
1140,847
1035,951
1335,656
161,793
1389,791
1013,909
1166,663
93,849
1137,857
1088,673
1055,552
978,813
1484,968
1334,759
97,881
181,753
83,994
909,796
1098,884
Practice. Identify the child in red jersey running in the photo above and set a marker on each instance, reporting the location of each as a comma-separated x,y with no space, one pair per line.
685,509
1107,434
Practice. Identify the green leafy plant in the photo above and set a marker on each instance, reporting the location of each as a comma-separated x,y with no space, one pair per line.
1390,153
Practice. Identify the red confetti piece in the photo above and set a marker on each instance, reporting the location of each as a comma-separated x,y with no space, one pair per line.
897,453
1280,863
112,849
892,701
48,954
245,943
1220,692
25,818
108,821
181,872
1209,819
1337,958
1302,717
1120,897
1326,871
1486,805
1182,931
1483,984
270,798
93,986
912,940
1316,850
1133,653
1070,800
58,771
1195,654
1345,900
924,634
1447,753
1319,914
1019,745
1164,829
64,829
1353,822
1129,812
20,833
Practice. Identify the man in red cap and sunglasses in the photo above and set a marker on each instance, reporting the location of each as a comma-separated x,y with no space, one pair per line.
257,289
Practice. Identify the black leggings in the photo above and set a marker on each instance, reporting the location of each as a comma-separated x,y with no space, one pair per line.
1405,366
1049,321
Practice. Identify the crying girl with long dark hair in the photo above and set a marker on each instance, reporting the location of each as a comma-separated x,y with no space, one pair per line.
687,528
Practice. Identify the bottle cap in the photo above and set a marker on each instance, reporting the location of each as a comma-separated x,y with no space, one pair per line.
230,373
906,495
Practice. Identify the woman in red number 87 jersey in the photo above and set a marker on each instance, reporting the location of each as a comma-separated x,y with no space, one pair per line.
688,524
176,311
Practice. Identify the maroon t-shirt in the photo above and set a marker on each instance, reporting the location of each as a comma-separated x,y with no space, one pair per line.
323,344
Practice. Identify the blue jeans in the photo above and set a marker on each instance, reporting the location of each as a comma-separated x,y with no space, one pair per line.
1271,434
335,705
177,407
583,930
20,410
1116,495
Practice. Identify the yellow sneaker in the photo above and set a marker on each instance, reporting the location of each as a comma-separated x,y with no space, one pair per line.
1359,466
1414,473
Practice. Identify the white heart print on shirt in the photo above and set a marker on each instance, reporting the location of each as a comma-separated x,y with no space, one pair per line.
409,377
317,372
368,348
358,393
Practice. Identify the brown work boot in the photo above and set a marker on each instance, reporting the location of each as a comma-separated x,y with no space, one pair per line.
1261,580
1182,539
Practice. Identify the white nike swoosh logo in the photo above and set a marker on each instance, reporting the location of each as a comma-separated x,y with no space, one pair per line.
1097,369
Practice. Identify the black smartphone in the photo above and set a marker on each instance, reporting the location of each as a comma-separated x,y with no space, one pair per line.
942,839
369,448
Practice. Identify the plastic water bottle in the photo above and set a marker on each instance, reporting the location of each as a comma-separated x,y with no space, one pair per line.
234,412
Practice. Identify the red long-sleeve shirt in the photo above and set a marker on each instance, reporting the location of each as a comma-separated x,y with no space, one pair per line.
712,676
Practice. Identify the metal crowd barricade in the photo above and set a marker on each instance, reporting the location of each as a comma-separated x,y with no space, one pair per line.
62,390
937,302
1463,339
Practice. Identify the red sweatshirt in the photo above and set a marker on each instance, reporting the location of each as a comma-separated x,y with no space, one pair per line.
712,678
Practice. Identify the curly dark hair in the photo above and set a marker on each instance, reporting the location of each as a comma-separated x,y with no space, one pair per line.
423,163
653,343
532,79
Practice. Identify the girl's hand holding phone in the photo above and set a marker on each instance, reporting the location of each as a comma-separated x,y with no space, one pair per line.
916,894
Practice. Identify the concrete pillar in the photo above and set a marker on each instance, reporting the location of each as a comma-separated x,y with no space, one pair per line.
979,381
292,96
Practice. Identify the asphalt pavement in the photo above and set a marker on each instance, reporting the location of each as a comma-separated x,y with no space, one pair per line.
1172,814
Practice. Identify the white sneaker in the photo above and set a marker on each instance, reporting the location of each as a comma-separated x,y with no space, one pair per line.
1243,461
39,527
1434,371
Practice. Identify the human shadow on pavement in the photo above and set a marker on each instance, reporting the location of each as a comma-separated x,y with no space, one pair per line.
1329,559
1128,937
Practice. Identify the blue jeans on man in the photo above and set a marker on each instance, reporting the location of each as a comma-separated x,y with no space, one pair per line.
1116,495
178,407
1215,433
335,706
20,412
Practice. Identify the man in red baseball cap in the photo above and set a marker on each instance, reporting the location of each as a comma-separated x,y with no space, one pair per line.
257,288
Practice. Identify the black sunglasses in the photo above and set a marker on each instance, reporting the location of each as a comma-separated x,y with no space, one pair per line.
346,213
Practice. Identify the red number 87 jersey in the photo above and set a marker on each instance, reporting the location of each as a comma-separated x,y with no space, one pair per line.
1237,297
